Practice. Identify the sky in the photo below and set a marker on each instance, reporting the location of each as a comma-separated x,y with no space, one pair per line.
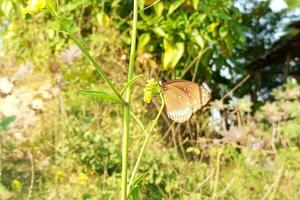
278,5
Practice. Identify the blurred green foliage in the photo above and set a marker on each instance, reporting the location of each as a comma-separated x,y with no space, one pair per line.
181,35
6,121
251,153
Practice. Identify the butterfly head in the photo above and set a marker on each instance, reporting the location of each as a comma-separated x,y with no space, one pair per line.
162,82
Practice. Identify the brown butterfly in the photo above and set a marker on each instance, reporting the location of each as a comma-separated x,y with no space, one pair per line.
183,98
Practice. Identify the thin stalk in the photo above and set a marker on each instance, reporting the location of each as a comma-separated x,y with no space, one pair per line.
217,174
127,106
197,63
29,196
199,186
200,54
235,87
273,188
84,51
1,154
98,68
137,164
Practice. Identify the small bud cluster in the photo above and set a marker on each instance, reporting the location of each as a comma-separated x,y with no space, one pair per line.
150,90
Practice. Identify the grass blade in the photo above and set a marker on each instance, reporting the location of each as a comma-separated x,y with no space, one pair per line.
101,95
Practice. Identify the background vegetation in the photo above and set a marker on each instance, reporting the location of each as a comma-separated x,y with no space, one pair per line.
59,144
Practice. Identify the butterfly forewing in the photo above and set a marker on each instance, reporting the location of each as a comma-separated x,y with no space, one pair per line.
178,104
197,94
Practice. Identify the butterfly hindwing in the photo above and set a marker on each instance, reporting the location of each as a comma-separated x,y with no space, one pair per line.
178,104
198,95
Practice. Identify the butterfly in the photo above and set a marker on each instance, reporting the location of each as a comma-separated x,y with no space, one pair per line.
183,98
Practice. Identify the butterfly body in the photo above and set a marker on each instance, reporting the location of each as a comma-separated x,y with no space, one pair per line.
183,98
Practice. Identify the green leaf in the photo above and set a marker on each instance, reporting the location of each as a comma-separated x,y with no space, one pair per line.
179,49
101,95
291,129
6,121
182,35
134,187
103,19
139,179
130,83
6,7
126,38
159,8
168,55
143,41
198,38
223,32
75,5
159,31
176,4
193,150
141,4
149,19
172,54
67,25
195,4
134,193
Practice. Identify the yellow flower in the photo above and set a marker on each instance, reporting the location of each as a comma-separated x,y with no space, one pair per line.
16,185
59,175
151,89
82,177
34,6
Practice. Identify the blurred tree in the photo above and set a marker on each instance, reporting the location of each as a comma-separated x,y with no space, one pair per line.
270,55
218,43
211,41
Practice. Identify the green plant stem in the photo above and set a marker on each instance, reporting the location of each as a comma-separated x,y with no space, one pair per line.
84,51
29,196
125,152
1,162
273,188
96,65
220,151
127,106
137,164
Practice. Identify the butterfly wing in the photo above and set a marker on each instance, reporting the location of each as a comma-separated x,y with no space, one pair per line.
178,104
197,94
